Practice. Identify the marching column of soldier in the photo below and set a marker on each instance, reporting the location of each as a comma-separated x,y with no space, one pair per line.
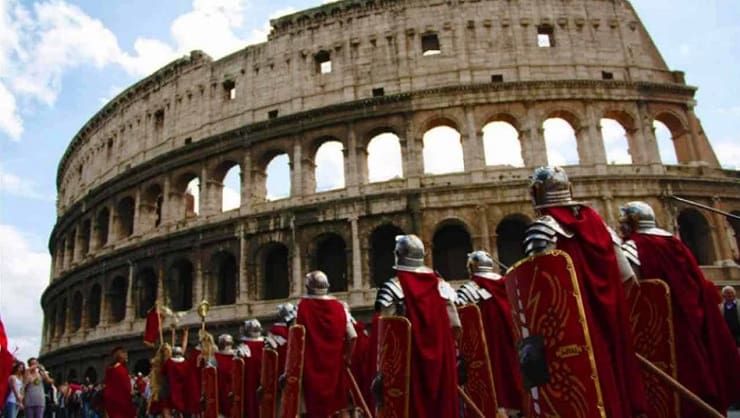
590,324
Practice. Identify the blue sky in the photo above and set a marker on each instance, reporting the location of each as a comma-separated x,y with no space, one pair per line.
61,60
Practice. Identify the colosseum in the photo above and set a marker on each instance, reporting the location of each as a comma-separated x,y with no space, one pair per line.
375,83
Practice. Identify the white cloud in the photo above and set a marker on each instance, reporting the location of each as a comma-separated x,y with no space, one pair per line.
14,185
10,120
24,273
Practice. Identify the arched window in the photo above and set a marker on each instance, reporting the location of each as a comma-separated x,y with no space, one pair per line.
736,230
192,198
76,311
443,152
382,258
501,144
560,142
616,142
62,320
125,222
226,277
331,258
277,183
51,321
696,234
101,226
231,193
275,268
85,237
666,147
180,285
330,166
384,160
146,291
118,294
451,246
509,238
93,307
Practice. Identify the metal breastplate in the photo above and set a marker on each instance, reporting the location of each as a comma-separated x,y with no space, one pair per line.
542,235
629,248
471,293
391,293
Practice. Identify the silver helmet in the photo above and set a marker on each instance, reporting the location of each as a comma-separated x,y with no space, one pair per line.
480,262
225,340
177,351
409,253
317,283
252,328
286,312
639,217
550,187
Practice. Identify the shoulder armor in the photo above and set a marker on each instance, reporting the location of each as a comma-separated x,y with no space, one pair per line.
468,293
446,291
389,292
629,248
542,235
615,237
243,351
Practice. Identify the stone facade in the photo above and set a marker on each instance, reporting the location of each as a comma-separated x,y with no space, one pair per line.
127,233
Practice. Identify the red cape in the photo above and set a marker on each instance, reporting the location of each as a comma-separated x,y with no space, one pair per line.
360,359
252,372
225,382
708,361
499,330
6,367
117,393
433,363
371,364
282,331
184,388
592,251
325,388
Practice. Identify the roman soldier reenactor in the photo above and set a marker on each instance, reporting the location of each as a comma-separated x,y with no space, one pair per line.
225,361
428,302
707,361
277,335
117,399
250,350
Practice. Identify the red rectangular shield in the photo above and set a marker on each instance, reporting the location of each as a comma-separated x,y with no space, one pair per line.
237,388
651,315
474,351
549,319
269,383
394,364
290,401
210,391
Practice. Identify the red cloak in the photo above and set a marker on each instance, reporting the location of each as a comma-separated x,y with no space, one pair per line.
325,388
184,388
371,363
252,372
117,393
592,251
360,359
280,330
225,382
433,363
708,361
6,365
499,330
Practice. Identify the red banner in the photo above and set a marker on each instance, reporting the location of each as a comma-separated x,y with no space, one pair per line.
152,328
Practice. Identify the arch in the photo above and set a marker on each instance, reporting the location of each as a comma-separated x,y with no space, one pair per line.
231,181
276,281
225,279
329,159
697,235
85,237
450,247
560,139
125,217
76,320
102,221
277,173
62,320
384,157
142,366
150,214
71,245
91,375
72,376
93,306
666,147
501,144
616,142
117,299
382,258
331,258
443,151
736,230
51,319
146,291
180,285
509,238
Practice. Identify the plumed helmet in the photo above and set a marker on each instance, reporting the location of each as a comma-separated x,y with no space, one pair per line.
317,283
550,187
637,216
409,252
480,262
286,312
252,328
225,340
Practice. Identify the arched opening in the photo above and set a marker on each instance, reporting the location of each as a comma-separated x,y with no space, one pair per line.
142,366
125,221
501,144
560,142
91,376
384,159
192,198
101,227
61,249
616,143
72,376
736,230
231,192
117,299
509,238
331,258
329,166
382,258
451,246
276,280
76,311
71,245
62,319
277,183
93,307
180,285
226,277
696,234
51,323
666,147
146,291
85,237
150,215
443,152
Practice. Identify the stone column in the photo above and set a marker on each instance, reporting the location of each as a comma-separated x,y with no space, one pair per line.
112,233
594,140
198,282
207,204
473,152
722,234
247,182
137,212
296,171
130,307
295,286
103,317
649,145
161,299
356,255
412,154
169,200
534,151
243,279
485,232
